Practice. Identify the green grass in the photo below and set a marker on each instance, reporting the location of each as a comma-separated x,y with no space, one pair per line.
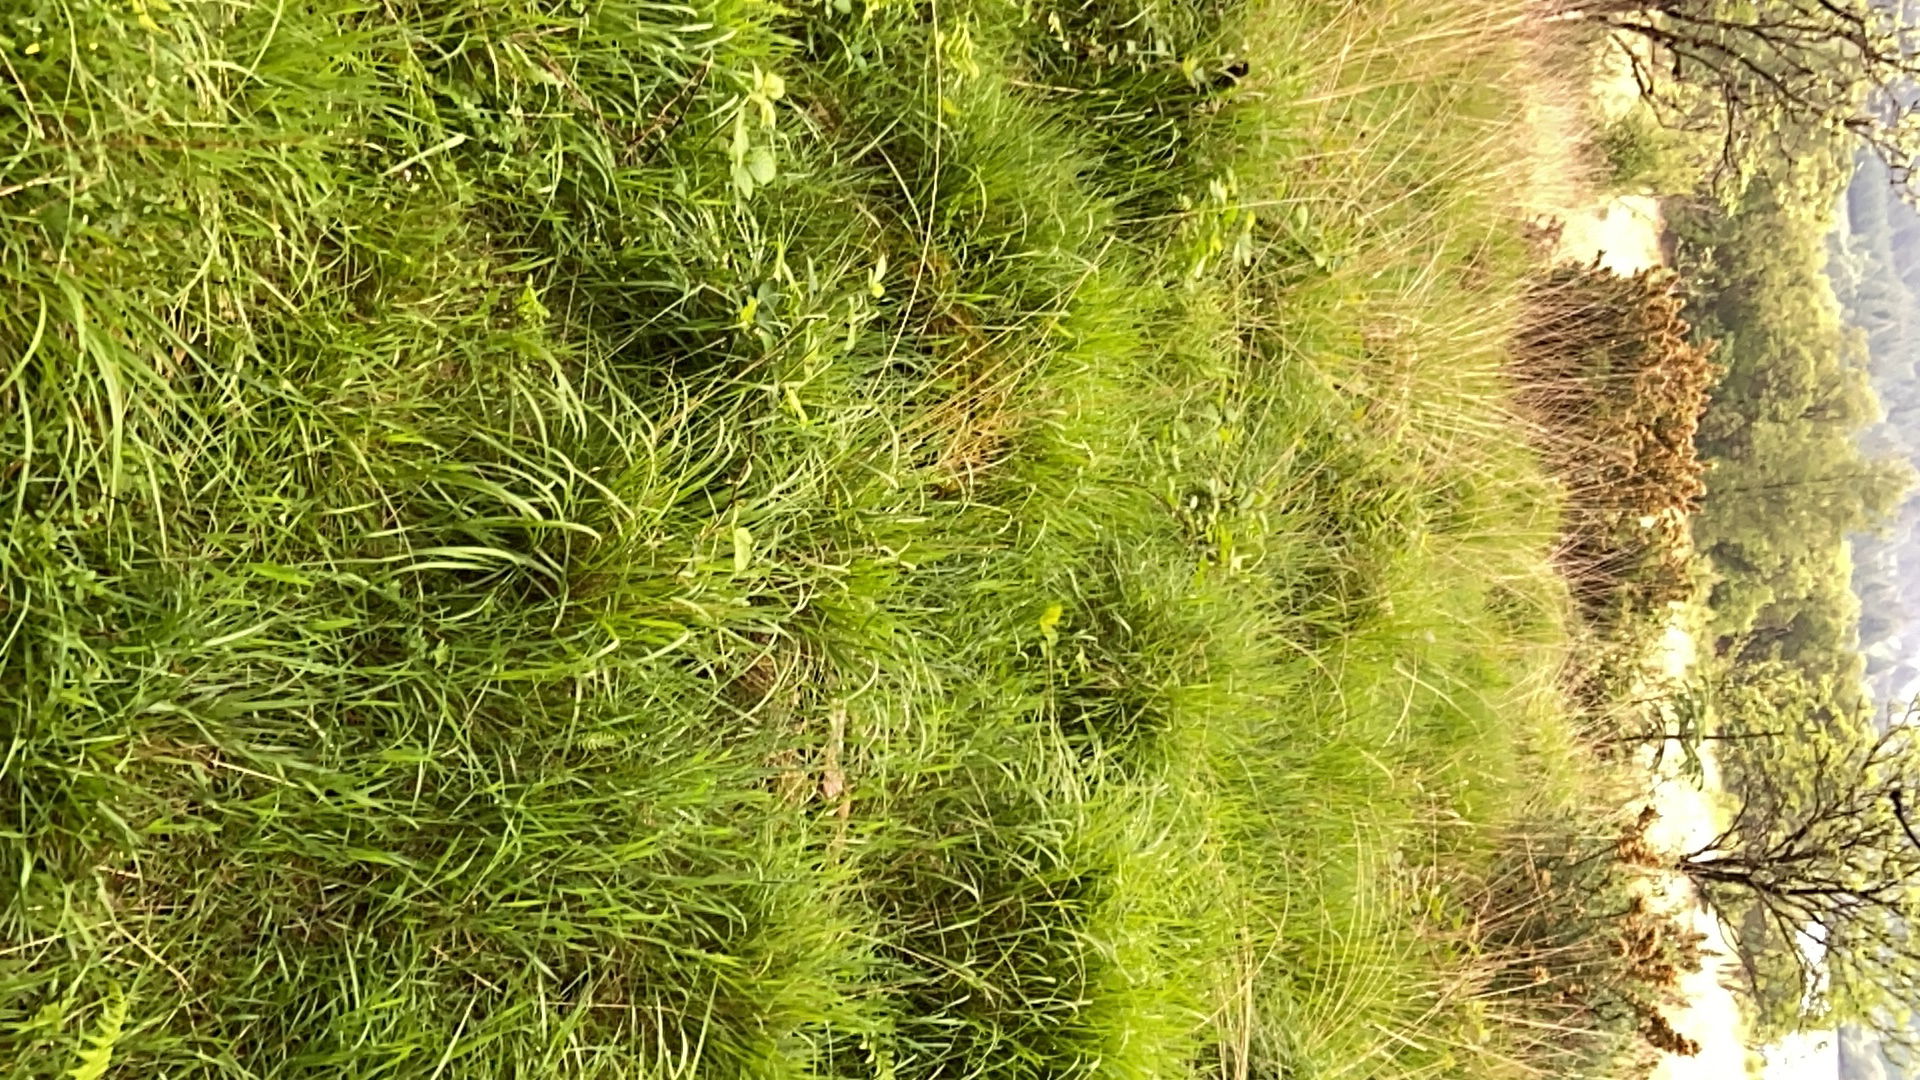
609,538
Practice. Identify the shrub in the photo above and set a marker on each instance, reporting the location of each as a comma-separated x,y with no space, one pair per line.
1614,387
1577,952
1644,157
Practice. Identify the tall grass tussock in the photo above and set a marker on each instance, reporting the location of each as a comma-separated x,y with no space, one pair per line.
607,538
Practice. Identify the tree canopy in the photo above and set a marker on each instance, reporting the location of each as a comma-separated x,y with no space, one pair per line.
1769,75
1812,874
1790,481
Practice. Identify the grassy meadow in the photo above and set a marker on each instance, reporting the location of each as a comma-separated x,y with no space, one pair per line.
611,538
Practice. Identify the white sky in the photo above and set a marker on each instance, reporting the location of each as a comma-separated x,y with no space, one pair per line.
1804,1057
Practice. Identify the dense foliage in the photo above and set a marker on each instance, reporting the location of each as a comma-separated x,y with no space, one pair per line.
1804,467
1755,118
1771,81
1790,482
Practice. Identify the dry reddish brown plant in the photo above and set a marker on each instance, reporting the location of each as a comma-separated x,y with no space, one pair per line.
1613,383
